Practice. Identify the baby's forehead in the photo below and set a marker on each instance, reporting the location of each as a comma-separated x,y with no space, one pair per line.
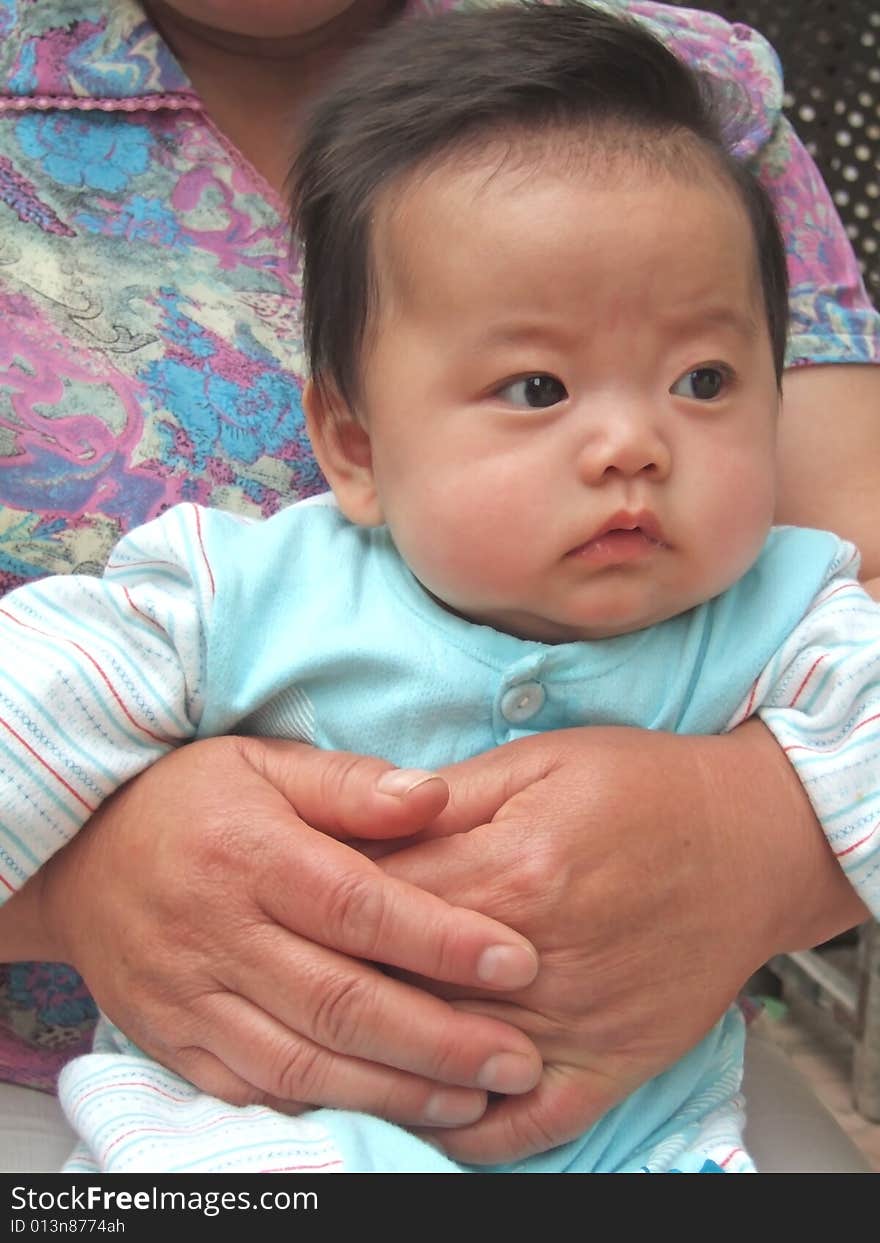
481,183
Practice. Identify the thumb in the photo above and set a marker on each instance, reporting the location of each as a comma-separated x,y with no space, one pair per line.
346,795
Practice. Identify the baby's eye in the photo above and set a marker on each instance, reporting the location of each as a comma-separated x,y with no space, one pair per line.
702,384
534,392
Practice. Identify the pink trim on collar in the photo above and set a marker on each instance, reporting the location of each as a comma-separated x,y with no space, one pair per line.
73,103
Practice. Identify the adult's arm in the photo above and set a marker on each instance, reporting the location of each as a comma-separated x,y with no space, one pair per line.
232,941
829,455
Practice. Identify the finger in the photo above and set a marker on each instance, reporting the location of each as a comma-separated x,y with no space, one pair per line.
353,1009
349,796
341,1083
304,1074
331,894
565,1104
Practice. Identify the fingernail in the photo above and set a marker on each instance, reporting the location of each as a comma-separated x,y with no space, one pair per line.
400,781
507,966
508,1072
450,1107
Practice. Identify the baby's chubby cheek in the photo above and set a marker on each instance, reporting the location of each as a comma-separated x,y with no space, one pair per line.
460,541
735,530
464,571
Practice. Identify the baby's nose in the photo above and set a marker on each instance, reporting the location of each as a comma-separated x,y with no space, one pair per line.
628,444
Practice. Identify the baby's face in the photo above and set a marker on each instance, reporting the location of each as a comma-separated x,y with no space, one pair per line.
570,395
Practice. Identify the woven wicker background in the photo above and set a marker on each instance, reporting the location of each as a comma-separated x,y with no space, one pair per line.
830,53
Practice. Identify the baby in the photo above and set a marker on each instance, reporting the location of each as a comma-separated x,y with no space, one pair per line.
546,320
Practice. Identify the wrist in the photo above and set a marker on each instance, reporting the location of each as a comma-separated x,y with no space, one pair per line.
27,932
796,894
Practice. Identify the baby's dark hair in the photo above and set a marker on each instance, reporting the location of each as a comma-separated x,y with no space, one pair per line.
428,89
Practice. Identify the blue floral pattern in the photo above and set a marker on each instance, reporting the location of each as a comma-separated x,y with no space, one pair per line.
54,991
103,152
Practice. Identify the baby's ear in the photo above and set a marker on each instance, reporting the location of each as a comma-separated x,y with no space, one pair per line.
342,447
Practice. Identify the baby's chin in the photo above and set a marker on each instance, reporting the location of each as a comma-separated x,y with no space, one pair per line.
608,617
554,631
585,628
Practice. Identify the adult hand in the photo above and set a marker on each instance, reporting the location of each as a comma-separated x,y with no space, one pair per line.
221,933
653,873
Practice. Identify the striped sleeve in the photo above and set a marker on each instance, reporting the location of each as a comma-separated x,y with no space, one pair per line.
820,696
100,678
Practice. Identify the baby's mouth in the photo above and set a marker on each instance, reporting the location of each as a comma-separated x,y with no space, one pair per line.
622,538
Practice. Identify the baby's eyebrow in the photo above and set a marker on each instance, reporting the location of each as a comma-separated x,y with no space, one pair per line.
526,332
697,318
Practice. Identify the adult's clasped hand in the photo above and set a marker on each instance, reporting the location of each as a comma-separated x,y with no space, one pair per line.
258,981
621,856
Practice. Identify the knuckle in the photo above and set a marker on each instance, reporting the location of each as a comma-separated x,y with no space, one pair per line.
444,947
453,1062
341,1006
355,910
530,1132
532,861
299,1072
341,773
541,878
